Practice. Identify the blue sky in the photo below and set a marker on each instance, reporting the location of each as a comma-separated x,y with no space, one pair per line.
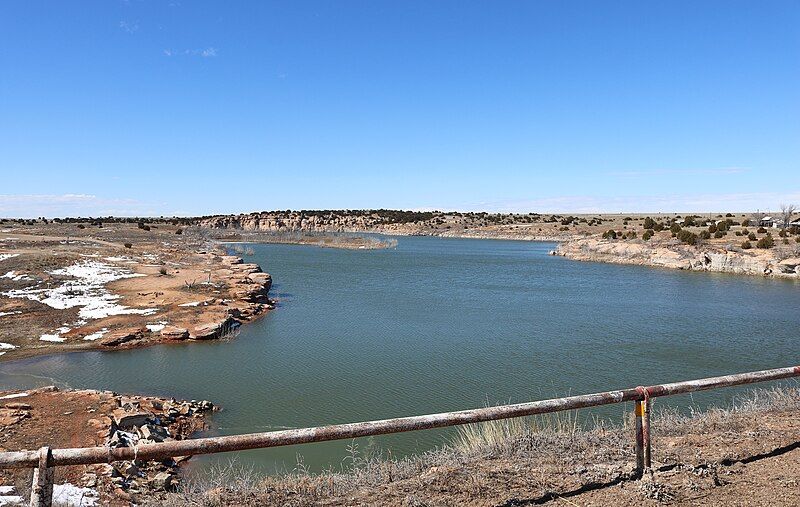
186,107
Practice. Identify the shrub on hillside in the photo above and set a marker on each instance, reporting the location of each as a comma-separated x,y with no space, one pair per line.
745,222
751,236
746,245
658,227
712,228
766,242
705,235
674,228
649,234
128,245
761,230
687,237
719,234
610,234
649,223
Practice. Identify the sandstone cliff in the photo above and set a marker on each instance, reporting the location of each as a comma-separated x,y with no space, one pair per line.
772,262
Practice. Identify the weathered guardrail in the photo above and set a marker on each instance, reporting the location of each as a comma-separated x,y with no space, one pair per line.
45,459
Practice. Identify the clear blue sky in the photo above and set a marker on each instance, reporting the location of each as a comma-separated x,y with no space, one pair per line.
186,107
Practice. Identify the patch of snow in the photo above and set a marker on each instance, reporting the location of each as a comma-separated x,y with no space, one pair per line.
15,395
73,496
117,259
96,336
3,314
52,338
11,500
155,328
4,256
193,303
7,346
6,490
14,276
87,291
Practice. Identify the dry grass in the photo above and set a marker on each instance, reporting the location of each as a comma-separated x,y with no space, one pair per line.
540,451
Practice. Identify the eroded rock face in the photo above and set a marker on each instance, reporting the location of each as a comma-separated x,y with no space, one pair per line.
679,256
117,338
214,330
175,333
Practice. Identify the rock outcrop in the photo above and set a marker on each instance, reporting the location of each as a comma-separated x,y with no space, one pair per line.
680,256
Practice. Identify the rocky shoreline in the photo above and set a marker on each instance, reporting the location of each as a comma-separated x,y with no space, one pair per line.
684,257
83,418
134,288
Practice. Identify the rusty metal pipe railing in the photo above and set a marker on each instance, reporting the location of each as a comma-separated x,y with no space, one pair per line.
208,445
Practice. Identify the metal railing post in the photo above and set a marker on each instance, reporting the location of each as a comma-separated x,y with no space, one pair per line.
646,430
42,487
638,413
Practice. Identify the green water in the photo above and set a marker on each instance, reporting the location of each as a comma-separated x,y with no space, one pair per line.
445,324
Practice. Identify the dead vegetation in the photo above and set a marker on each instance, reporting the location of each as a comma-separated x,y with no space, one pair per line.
699,457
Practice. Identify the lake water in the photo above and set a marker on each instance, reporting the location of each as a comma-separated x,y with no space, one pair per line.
445,324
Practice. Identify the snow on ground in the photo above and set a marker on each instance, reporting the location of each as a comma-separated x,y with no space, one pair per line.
155,328
96,336
4,256
5,347
8,496
86,291
193,303
127,260
52,338
15,395
72,496
14,276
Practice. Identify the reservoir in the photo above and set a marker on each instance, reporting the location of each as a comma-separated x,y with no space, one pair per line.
440,324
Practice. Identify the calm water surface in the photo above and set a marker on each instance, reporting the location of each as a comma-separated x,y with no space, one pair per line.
445,324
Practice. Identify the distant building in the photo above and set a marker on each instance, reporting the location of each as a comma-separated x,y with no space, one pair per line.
767,222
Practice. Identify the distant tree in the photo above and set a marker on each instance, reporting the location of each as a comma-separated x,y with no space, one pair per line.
787,210
649,223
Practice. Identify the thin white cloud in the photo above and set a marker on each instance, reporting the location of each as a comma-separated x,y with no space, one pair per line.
580,204
63,205
678,172
209,52
129,27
